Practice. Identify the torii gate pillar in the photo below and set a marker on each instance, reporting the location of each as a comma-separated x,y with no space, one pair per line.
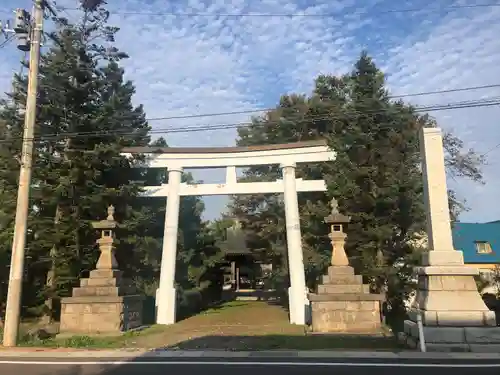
166,300
297,293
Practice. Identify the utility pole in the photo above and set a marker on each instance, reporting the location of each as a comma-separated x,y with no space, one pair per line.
13,307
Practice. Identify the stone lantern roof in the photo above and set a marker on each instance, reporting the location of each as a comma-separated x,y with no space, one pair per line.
109,223
335,216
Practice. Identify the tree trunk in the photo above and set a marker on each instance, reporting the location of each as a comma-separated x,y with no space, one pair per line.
51,276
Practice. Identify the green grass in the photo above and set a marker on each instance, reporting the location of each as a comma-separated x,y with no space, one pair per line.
78,341
238,325
235,343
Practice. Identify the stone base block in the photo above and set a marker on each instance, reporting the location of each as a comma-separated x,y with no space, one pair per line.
345,288
335,271
101,281
477,339
341,275
336,316
106,274
341,280
450,300
97,315
448,296
98,291
343,304
455,318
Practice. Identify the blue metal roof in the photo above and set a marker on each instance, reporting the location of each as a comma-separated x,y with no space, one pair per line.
466,234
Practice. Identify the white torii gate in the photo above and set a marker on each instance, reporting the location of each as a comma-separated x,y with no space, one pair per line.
175,160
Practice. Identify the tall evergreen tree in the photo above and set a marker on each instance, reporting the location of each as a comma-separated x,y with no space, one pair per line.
85,116
8,186
262,216
375,177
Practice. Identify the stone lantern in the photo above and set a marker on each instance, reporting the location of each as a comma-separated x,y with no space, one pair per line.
107,260
342,303
104,303
338,223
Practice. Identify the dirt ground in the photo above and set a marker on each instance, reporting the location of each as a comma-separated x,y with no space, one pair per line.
242,325
237,325
227,325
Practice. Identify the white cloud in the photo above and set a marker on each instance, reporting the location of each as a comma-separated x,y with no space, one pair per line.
458,51
198,63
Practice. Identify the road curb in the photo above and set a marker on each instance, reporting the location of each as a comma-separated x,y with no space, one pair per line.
159,353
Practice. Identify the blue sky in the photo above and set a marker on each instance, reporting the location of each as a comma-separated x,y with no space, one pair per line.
193,57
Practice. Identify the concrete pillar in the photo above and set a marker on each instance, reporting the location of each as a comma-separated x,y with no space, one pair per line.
452,311
297,293
438,224
166,296
435,190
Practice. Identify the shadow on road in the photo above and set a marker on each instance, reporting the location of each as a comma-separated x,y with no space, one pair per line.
272,365
286,344
289,342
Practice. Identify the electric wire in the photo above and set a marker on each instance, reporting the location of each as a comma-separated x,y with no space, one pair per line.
488,102
7,41
249,111
305,15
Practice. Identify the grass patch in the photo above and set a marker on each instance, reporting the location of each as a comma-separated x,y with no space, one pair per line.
80,342
29,340
236,326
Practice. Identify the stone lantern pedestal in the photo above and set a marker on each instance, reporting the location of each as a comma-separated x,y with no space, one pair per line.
342,303
104,303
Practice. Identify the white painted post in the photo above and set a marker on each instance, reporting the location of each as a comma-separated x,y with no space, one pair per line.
231,177
167,294
435,190
440,242
297,292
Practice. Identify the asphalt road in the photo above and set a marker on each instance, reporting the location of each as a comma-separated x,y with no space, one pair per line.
26,366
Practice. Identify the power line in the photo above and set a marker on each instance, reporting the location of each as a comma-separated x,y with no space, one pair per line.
55,7
312,118
226,126
7,41
258,110
471,88
308,15
491,150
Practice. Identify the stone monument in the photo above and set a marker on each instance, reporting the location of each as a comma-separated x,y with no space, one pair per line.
105,302
342,303
453,313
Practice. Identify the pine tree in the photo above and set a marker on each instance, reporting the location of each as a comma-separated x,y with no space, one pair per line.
375,177
84,117
8,185
262,216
